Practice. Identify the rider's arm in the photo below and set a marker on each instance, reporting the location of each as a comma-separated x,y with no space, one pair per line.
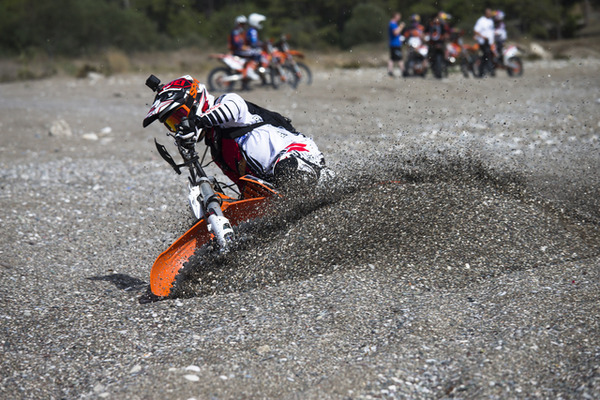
229,110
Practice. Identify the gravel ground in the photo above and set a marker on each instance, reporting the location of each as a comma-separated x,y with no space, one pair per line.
458,255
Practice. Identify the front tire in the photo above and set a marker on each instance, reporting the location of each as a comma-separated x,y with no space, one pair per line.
284,75
514,67
305,77
438,60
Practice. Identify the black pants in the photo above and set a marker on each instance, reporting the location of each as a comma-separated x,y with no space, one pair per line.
487,60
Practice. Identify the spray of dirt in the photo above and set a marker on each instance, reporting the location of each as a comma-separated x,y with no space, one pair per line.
433,220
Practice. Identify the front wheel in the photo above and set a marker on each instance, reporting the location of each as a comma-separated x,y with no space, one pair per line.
288,76
420,68
219,80
514,66
476,68
438,60
274,77
465,68
305,74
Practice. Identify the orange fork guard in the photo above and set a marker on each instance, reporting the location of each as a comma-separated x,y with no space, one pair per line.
169,262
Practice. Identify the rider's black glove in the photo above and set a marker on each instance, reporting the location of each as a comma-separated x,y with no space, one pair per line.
203,121
186,129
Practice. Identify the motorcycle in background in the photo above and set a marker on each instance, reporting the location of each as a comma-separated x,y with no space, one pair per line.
289,58
225,78
458,54
416,60
510,61
270,71
437,58
282,73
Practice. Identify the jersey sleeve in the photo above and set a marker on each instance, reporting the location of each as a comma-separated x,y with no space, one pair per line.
229,110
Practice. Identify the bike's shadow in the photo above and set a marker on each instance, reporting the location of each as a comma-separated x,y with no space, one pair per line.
122,282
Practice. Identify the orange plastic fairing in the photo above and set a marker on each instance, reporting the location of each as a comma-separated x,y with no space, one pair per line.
167,265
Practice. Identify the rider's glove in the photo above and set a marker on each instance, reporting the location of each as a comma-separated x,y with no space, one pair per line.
203,121
186,129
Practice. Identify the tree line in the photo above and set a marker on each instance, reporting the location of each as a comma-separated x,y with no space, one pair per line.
81,27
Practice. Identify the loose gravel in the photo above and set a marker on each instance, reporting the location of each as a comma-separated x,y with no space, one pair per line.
456,256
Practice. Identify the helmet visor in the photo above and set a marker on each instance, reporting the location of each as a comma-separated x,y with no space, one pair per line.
176,117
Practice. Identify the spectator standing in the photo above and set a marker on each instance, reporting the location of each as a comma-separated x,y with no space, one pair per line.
484,34
395,28
500,35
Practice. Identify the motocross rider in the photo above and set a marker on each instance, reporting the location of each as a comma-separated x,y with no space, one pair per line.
414,29
243,138
238,47
237,37
253,45
437,29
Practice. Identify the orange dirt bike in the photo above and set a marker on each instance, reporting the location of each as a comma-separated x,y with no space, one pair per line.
270,71
289,58
216,213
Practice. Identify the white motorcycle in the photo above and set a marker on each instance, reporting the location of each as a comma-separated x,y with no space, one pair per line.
416,60
512,63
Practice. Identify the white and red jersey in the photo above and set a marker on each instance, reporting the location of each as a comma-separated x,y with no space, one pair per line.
258,151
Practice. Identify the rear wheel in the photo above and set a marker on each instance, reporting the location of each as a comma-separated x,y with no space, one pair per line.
420,69
514,67
305,77
217,80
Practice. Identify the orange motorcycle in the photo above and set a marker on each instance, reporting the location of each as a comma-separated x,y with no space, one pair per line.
289,58
216,212
271,71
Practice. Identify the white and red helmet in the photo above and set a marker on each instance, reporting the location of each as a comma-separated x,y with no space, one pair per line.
176,100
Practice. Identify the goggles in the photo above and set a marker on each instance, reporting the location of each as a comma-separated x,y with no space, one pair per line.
176,117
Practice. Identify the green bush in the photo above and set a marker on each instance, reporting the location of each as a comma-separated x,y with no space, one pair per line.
87,27
538,31
368,24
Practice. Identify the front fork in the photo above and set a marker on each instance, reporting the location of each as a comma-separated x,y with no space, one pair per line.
205,203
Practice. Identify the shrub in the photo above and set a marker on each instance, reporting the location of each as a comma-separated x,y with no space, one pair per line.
368,24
